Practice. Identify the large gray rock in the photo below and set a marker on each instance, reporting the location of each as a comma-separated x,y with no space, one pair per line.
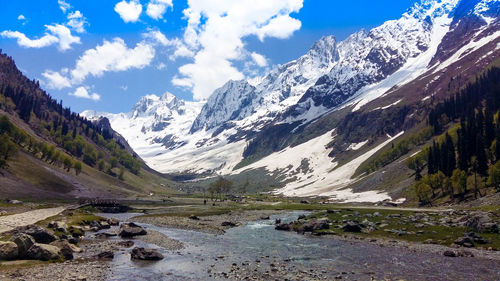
131,230
351,226
8,251
479,221
43,252
23,242
146,254
67,249
41,235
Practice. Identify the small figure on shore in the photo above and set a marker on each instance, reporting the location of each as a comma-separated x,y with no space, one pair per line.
205,202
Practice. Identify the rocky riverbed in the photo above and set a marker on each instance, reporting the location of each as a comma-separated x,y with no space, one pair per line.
244,245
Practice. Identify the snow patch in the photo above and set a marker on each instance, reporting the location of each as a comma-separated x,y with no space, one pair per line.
357,146
321,179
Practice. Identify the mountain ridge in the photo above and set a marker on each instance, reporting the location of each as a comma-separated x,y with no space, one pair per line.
331,78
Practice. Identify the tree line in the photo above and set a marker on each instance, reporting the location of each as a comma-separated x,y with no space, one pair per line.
92,144
464,159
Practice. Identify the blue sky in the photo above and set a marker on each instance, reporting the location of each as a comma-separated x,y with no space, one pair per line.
105,55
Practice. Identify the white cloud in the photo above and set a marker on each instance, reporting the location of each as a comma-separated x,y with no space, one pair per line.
21,17
157,8
63,5
57,34
111,56
55,80
64,35
129,11
214,35
259,59
124,87
77,21
82,92
160,38
25,42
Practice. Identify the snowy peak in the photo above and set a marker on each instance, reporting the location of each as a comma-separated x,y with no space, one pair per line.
281,88
226,103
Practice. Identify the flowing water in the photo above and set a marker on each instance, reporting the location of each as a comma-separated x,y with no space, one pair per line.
259,242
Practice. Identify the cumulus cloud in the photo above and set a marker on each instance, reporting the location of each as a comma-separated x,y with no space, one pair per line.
157,8
214,36
77,21
56,34
24,41
63,5
21,17
83,93
259,59
55,80
111,56
129,11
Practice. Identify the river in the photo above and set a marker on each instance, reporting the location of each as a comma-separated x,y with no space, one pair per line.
257,245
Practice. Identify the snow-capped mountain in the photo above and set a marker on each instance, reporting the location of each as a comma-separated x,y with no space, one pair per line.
175,136
154,124
278,90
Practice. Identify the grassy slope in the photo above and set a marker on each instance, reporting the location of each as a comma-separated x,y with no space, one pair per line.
30,178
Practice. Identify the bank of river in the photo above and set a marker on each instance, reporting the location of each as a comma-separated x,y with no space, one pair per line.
256,251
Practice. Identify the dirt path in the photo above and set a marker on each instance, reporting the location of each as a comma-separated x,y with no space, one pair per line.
10,222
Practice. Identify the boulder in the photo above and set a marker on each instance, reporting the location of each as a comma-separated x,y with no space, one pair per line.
146,254
478,221
228,223
264,217
41,235
8,251
43,252
465,242
126,244
107,255
113,221
193,217
105,225
63,244
351,226
76,231
131,230
283,226
314,225
23,242
449,253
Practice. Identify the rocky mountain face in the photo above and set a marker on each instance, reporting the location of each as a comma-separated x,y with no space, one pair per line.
378,81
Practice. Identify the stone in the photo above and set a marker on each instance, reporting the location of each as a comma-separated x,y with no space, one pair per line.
146,254
113,221
131,230
314,225
43,252
478,221
64,244
351,226
449,253
23,242
107,255
41,235
76,231
228,223
126,244
8,251
304,202
283,226
193,217
264,217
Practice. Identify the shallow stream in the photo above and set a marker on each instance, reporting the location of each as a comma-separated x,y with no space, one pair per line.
258,242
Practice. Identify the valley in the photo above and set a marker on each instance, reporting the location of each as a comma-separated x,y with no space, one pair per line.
369,156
